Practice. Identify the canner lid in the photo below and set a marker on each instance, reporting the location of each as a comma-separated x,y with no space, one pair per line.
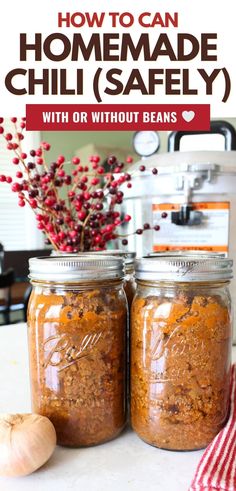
169,163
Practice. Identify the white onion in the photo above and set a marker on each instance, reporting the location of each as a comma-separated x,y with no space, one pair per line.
27,441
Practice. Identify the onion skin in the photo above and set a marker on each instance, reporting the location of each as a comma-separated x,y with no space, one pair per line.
27,441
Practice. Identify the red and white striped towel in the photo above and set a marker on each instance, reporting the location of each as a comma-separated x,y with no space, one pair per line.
217,467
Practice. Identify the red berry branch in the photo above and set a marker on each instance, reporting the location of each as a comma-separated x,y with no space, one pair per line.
77,210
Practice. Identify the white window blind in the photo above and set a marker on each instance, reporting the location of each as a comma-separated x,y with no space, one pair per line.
18,229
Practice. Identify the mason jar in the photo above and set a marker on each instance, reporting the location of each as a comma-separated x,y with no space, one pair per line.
180,350
77,328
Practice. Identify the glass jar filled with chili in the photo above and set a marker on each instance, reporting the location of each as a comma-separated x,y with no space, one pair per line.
77,329
180,350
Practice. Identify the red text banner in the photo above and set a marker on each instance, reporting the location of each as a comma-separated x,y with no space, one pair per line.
127,117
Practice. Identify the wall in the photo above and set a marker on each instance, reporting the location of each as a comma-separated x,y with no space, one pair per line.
66,143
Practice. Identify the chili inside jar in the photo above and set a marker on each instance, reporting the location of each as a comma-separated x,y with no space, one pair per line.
181,327
77,329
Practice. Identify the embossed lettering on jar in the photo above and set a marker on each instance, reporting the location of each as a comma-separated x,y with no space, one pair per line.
77,342
180,350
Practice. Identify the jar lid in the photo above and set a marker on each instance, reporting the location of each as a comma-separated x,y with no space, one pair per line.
184,268
188,253
76,268
129,257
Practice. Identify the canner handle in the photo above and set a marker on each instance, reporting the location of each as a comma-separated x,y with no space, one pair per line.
217,127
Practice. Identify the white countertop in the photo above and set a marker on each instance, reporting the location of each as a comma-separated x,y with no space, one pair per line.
126,464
